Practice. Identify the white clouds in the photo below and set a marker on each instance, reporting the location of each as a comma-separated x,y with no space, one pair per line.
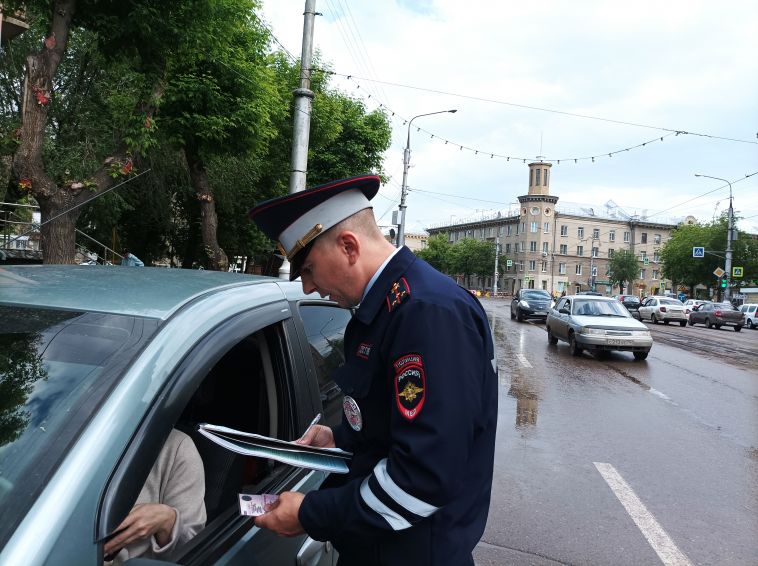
687,65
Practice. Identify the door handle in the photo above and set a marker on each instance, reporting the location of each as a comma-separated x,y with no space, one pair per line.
311,552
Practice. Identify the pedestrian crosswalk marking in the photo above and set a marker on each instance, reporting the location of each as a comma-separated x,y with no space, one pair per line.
524,362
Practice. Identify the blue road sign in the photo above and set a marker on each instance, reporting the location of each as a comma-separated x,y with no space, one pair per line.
682,296
698,251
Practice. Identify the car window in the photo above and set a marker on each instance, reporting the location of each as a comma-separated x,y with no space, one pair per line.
671,302
538,294
325,331
54,365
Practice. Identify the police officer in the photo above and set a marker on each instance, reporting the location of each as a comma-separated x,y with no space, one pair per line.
420,385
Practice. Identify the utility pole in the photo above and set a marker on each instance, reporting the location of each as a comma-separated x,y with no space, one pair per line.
729,238
302,118
497,253
406,165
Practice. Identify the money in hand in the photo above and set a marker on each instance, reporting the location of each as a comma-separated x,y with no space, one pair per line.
254,505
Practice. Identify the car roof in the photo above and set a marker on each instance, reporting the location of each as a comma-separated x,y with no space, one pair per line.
591,298
150,292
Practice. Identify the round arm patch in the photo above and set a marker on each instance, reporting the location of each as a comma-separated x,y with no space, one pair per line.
410,385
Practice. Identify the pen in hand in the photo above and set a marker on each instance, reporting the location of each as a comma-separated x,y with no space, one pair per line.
314,422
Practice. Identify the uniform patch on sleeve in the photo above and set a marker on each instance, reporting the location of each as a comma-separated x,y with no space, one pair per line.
410,385
364,350
399,292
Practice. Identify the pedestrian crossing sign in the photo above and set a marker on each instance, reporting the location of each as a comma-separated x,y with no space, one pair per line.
698,251
737,272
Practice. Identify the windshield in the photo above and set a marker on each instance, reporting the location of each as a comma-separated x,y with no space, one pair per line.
671,302
536,295
599,308
53,373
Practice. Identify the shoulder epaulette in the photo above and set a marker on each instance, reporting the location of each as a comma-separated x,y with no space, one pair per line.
399,292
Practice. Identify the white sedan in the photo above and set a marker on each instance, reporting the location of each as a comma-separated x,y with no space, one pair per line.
663,309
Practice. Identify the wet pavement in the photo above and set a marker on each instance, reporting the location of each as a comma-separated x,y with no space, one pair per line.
617,461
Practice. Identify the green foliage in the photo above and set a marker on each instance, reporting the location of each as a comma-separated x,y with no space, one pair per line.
623,268
437,252
472,257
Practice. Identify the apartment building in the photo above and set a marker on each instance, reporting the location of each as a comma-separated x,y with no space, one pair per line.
563,249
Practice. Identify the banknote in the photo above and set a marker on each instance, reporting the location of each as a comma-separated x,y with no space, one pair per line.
255,504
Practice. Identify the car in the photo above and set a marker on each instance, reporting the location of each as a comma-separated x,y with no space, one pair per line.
530,303
662,309
718,315
597,324
689,304
631,302
751,314
101,363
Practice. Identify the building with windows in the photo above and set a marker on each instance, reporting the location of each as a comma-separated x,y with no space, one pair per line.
557,248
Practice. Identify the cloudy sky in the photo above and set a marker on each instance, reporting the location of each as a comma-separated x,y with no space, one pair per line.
558,79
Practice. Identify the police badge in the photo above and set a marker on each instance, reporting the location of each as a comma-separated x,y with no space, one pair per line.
352,413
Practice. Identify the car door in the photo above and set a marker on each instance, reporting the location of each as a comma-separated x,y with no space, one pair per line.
249,374
559,322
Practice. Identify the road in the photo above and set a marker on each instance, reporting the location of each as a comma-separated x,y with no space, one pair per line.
617,461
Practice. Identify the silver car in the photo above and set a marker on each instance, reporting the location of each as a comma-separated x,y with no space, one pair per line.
663,309
597,324
98,365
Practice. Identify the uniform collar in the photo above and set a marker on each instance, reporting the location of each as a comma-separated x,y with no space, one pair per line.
374,299
378,273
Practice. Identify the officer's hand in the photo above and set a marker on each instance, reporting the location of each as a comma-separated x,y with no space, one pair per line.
319,436
282,516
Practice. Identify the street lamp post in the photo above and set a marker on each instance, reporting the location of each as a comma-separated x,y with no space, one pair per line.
729,237
406,164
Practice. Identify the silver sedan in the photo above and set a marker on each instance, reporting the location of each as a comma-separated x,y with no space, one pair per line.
597,324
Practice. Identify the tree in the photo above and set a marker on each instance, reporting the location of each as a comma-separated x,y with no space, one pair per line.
623,268
437,252
472,257
679,265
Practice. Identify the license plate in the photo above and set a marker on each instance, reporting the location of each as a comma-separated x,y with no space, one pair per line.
618,342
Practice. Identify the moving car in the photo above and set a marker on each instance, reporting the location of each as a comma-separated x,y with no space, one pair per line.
631,302
597,324
530,303
665,309
101,363
718,315
690,304
751,314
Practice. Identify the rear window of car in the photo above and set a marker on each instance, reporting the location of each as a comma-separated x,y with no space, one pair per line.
670,302
54,371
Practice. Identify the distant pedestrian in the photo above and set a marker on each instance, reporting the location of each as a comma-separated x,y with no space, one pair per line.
131,260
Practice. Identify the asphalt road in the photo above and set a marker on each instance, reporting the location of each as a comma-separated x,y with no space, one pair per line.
617,461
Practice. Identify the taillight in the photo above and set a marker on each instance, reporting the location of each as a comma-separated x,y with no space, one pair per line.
717,313
663,309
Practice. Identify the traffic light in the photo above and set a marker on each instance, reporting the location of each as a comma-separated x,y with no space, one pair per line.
724,282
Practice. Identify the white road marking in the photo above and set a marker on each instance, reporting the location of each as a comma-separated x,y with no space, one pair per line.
524,362
659,394
664,547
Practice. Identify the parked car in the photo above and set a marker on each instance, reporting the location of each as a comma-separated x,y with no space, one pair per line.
530,303
597,324
663,309
101,363
751,314
718,315
689,304
631,302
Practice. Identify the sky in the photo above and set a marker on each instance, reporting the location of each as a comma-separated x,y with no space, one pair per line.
556,79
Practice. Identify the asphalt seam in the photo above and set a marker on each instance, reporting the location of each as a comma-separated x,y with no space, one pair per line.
522,551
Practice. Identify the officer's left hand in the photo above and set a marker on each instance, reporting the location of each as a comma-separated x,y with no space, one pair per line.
282,516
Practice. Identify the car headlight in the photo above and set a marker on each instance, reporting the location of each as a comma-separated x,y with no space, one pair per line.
523,303
639,332
596,331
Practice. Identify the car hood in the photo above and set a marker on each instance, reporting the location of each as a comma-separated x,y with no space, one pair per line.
612,323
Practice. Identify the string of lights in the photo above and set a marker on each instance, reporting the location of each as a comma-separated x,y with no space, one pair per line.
355,79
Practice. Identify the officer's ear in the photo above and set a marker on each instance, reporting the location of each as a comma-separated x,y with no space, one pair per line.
349,245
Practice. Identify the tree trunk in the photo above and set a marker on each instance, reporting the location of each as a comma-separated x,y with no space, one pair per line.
59,236
217,259
6,163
